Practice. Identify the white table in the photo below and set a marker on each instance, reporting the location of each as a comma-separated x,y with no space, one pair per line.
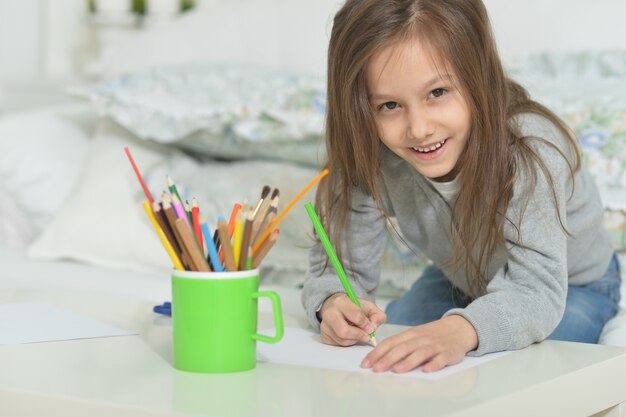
133,376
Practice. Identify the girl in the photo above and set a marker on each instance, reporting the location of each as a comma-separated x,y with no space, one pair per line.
423,125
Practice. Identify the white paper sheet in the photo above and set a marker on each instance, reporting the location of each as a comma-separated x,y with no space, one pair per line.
303,347
33,323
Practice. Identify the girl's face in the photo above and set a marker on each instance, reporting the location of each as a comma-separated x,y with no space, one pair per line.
420,113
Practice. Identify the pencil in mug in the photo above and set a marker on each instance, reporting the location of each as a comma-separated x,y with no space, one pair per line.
195,213
249,259
170,216
268,219
139,177
171,185
273,225
215,260
237,238
179,210
187,210
166,244
227,249
196,257
245,241
159,214
317,224
264,249
230,229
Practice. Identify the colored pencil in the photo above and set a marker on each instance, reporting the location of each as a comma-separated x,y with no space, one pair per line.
289,207
233,218
264,249
215,260
187,209
195,213
231,228
171,219
179,210
245,240
227,249
171,185
159,213
166,244
332,255
139,177
249,259
191,248
237,237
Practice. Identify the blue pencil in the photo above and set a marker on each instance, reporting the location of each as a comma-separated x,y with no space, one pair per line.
215,259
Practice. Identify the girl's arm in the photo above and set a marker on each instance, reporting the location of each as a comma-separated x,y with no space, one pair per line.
368,238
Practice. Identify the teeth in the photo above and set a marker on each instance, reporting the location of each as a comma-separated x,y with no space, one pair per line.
432,148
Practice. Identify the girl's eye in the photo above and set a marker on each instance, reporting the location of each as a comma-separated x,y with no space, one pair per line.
390,105
438,92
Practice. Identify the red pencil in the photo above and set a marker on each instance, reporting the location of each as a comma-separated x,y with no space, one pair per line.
195,212
139,177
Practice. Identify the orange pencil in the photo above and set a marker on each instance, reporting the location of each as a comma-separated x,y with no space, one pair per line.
289,207
231,228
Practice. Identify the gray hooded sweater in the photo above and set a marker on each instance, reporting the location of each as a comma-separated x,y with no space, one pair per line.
527,278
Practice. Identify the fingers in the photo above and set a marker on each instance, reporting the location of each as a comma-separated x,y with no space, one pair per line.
432,346
341,334
343,323
376,315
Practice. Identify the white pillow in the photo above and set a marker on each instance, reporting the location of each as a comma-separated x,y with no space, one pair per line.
41,154
102,222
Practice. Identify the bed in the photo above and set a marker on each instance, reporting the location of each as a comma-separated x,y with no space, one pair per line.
71,219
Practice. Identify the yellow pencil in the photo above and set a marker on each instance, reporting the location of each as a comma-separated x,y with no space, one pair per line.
237,238
166,243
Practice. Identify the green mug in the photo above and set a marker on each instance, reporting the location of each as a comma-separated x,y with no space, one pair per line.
215,320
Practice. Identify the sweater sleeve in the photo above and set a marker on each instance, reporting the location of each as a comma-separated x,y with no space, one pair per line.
525,300
366,238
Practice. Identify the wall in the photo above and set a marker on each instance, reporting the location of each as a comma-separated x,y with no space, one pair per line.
50,39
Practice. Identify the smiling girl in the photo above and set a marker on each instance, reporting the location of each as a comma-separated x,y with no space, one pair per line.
423,125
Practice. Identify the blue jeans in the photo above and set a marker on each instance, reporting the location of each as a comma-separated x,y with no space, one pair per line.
587,309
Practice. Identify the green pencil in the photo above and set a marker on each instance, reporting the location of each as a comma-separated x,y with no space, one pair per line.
317,224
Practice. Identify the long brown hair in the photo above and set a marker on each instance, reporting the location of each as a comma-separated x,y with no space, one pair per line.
460,34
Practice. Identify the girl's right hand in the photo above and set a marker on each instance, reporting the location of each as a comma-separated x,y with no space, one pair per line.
343,322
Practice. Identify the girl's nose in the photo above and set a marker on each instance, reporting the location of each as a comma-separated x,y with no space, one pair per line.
420,124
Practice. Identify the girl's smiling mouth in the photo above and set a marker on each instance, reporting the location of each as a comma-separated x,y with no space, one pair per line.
431,151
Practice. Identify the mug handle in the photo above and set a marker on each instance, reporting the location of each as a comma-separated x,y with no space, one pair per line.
278,317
